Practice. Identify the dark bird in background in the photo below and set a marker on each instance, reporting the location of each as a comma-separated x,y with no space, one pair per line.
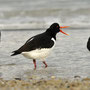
0,36
88,44
40,46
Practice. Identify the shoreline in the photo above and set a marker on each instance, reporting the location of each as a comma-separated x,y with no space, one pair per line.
52,83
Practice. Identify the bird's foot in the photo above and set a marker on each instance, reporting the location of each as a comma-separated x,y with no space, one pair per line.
45,64
34,62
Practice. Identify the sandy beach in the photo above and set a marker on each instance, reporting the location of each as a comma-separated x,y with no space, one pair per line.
52,83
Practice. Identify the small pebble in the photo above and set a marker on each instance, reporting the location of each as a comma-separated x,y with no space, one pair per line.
53,77
17,78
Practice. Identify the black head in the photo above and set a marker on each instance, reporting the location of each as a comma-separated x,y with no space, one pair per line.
54,29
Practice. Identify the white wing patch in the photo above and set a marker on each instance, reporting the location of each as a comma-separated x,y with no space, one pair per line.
30,39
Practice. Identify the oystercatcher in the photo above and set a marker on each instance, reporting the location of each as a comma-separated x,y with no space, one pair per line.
88,44
0,35
40,46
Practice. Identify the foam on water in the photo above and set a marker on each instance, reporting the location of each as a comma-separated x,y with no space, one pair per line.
21,14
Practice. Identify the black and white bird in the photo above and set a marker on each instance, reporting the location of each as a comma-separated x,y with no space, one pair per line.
88,44
40,46
0,36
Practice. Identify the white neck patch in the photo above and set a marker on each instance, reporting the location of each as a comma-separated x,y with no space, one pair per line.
53,40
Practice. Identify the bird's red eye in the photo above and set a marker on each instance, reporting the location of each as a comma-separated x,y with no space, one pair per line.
57,26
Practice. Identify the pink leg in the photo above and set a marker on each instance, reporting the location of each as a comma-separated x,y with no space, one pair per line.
45,64
34,62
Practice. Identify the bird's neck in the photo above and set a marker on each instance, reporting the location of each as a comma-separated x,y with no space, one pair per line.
51,33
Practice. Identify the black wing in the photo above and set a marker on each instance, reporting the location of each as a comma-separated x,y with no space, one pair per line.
37,42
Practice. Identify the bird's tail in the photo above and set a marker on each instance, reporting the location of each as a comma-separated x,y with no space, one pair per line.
15,53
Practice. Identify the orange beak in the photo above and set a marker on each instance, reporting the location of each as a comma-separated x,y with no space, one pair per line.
62,31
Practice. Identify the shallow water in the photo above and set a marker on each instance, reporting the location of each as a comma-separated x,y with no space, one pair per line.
69,58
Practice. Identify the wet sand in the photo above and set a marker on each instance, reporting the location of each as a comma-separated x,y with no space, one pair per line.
52,83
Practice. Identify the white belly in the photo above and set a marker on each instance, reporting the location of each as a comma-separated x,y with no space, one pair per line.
37,54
